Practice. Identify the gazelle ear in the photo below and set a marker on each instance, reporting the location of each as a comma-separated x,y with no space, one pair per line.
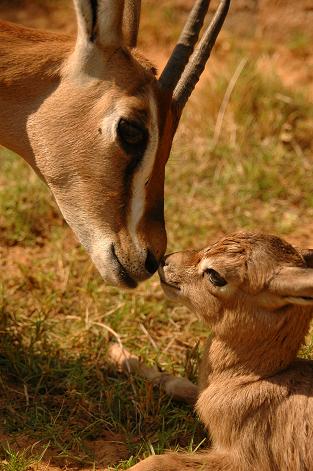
99,21
131,20
308,257
294,285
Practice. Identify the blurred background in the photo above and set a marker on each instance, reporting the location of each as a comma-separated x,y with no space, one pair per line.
242,159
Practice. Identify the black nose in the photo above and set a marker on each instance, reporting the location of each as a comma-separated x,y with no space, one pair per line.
151,264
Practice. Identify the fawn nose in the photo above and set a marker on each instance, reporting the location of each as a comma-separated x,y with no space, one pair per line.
151,264
165,260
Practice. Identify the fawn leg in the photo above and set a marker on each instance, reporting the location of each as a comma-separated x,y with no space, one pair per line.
209,461
179,388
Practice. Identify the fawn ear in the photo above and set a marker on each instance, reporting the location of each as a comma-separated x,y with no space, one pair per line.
294,285
307,254
99,21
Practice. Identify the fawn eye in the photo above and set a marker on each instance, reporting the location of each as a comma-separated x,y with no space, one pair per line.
215,278
131,133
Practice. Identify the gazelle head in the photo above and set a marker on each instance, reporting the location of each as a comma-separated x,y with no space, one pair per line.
105,130
245,282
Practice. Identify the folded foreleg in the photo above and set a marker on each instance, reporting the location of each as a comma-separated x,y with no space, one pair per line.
179,388
209,461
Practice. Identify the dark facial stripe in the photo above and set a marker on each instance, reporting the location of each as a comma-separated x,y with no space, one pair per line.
136,159
135,152
94,9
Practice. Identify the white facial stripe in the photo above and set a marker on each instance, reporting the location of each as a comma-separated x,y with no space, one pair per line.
204,265
109,125
110,121
138,199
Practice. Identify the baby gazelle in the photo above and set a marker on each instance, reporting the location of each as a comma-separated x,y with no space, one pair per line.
256,397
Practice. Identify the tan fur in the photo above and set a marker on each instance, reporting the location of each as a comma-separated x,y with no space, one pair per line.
256,397
57,94
72,108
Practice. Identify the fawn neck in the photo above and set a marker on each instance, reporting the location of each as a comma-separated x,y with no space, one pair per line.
256,350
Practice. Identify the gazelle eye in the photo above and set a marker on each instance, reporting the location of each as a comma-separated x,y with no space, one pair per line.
215,278
131,133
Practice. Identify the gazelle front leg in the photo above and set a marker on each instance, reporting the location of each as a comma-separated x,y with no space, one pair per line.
179,388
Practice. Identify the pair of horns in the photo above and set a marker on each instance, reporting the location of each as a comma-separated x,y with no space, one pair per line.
117,22
185,66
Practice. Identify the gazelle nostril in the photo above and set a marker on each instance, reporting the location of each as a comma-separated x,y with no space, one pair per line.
151,264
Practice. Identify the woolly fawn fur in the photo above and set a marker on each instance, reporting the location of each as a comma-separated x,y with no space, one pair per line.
255,395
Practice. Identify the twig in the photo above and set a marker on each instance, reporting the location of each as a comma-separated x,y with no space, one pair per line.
168,346
222,110
26,394
117,337
154,345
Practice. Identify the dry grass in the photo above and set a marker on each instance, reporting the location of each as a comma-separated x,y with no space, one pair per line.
57,390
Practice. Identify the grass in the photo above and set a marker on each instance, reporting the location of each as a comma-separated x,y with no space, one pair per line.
23,220
20,460
57,389
262,157
300,43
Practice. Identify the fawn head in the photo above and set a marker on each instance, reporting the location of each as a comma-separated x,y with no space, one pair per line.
244,278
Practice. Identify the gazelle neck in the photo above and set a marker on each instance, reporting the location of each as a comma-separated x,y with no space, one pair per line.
29,72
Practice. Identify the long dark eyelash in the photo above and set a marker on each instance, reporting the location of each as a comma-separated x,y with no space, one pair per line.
215,278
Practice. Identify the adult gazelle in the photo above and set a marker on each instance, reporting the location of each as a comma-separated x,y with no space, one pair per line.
93,120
